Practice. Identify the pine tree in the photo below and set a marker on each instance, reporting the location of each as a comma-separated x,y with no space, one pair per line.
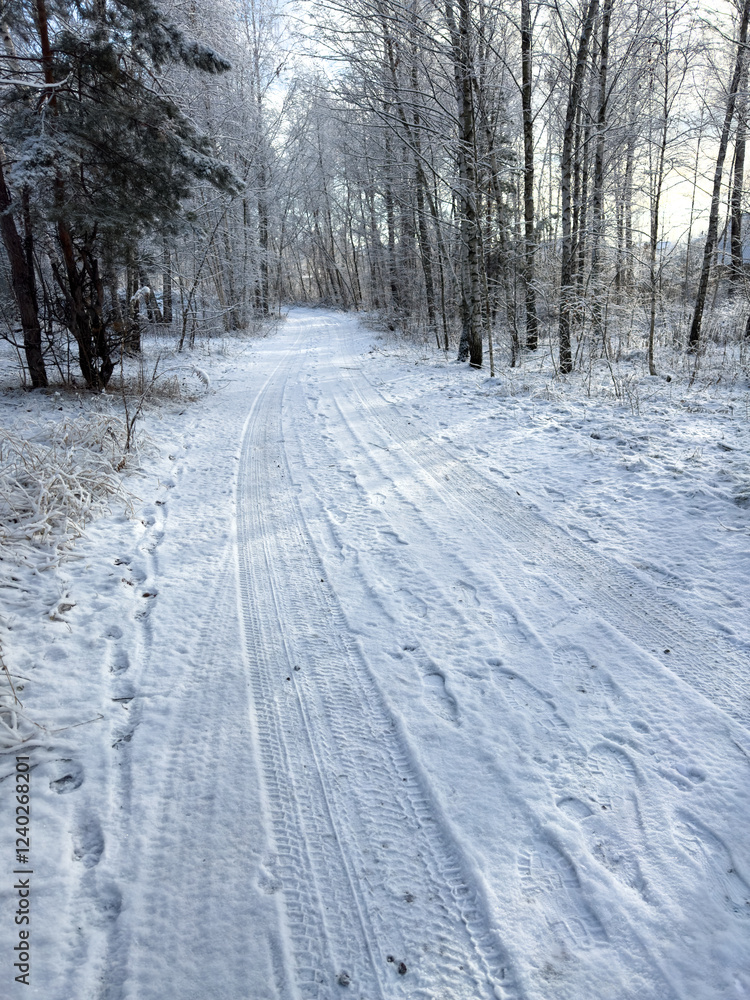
107,157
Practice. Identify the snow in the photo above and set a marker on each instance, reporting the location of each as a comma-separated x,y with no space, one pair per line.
393,680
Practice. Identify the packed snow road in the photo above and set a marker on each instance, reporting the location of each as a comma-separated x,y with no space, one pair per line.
395,733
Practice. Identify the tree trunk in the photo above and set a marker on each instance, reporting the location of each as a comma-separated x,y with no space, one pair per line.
414,138
532,325
568,261
578,147
153,311
471,333
132,344
390,218
167,286
598,198
737,273
713,219
431,197
657,185
110,281
24,287
425,247
263,225
627,276
85,313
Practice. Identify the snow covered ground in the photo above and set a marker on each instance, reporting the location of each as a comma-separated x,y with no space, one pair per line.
393,681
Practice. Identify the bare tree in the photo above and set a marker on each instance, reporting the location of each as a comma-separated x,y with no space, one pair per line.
713,218
566,165
532,326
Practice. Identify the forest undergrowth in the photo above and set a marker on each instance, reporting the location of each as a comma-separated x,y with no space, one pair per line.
620,373
690,422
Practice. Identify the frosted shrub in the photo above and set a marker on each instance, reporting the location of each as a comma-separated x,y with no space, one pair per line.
54,479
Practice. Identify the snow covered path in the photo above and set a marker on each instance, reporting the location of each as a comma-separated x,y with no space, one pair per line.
395,732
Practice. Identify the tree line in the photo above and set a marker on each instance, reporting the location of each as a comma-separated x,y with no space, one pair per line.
493,174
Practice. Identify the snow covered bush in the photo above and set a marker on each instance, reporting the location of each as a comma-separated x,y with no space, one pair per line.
55,476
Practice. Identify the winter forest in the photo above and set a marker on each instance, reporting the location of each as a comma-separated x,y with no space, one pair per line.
525,176
374,500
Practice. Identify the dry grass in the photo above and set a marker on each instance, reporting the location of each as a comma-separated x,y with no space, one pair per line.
15,726
55,476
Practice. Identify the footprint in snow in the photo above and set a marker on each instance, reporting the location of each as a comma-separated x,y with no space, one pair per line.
109,902
683,776
549,877
71,777
510,627
527,700
608,813
393,537
411,601
468,593
581,534
713,856
154,543
439,698
575,673
573,807
88,843
120,662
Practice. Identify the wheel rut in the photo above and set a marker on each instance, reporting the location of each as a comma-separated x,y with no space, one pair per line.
375,895
708,662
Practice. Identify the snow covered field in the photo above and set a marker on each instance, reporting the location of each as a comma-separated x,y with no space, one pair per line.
390,680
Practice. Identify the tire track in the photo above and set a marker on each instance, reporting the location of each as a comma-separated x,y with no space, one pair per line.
522,699
375,894
175,839
705,660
